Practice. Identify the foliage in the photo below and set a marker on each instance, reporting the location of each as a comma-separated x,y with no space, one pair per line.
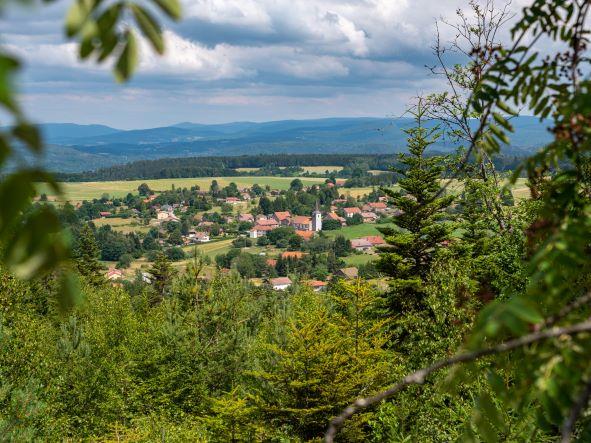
421,230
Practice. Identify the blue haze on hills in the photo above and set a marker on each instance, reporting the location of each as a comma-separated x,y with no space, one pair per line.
75,147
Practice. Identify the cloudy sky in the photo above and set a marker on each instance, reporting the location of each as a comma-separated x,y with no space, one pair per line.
236,60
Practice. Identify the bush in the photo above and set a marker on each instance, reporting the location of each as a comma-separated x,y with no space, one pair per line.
124,261
175,253
242,242
331,225
263,241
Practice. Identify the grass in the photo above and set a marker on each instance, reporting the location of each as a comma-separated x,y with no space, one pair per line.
211,249
361,259
124,225
79,191
355,231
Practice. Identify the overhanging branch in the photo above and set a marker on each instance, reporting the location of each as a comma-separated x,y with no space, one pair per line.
419,377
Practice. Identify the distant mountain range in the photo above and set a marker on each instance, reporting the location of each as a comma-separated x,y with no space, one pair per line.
75,147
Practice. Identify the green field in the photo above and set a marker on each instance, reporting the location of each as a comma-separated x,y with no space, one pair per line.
361,259
355,231
79,191
212,248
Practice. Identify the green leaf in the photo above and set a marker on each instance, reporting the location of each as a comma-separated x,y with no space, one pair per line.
525,311
128,59
77,16
149,27
172,8
8,67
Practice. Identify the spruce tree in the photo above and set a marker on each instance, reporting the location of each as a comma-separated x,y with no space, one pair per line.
86,254
162,273
420,230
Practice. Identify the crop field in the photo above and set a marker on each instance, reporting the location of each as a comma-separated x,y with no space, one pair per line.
78,191
321,169
212,248
311,169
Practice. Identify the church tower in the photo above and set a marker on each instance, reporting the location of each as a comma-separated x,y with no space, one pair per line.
317,219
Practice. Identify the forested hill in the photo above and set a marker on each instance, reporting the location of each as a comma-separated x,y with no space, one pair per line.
75,148
229,166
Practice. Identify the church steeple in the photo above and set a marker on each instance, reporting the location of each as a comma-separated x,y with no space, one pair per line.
317,219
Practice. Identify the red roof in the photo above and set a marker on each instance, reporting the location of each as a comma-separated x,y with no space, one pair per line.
378,205
375,240
352,210
104,213
266,222
301,220
306,235
282,215
271,262
316,283
280,281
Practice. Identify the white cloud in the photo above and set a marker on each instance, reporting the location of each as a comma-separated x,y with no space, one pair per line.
183,57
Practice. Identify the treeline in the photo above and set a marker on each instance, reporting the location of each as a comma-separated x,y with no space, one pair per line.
227,166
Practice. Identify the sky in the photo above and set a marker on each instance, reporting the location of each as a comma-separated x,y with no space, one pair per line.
238,60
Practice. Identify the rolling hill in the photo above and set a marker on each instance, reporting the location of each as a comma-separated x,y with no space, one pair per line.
83,147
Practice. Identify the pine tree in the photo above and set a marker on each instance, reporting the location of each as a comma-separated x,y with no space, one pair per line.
316,361
86,254
162,273
420,230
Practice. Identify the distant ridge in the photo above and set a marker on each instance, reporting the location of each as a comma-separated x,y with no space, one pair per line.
75,148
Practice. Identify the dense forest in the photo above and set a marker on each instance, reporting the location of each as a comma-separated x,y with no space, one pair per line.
268,165
483,331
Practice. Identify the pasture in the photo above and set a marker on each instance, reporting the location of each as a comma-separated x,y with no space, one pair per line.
355,231
211,249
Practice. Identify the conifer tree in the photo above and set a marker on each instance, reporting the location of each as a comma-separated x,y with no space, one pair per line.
86,256
420,232
317,360
162,273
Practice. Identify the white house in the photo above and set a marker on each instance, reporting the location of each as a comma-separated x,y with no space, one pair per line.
350,212
198,236
280,283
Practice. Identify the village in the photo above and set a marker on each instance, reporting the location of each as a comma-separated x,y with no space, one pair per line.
274,237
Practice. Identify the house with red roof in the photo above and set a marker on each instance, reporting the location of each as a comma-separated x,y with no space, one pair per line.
350,212
280,283
301,223
317,285
361,245
375,240
282,217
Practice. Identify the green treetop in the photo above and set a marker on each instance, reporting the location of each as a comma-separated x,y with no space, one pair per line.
162,273
86,256
420,230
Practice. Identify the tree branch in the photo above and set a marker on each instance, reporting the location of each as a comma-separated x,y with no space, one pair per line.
419,377
581,403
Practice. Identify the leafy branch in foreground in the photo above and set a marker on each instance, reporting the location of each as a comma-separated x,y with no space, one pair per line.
32,241
420,376
547,383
